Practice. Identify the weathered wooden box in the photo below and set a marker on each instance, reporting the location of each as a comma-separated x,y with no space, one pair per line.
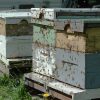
66,45
15,37
68,30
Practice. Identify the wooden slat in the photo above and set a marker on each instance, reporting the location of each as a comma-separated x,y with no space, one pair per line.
70,42
59,95
2,27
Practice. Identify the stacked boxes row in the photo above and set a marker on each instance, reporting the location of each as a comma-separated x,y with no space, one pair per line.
15,41
66,45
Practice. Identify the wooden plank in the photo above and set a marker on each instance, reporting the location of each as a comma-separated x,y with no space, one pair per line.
35,85
92,62
89,42
61,90
93,39
70,42
92,80
59,95
15,46
43,59
19,29
44,35
2,27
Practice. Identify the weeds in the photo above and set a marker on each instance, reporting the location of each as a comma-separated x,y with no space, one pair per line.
13,89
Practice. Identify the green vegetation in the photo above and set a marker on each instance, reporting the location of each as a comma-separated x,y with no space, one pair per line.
13,89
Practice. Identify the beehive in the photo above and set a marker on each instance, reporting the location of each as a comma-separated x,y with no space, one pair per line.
66,45
15,38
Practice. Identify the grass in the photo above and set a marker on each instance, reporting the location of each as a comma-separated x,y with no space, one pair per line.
13,89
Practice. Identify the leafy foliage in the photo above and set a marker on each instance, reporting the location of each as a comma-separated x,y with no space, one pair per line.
13,89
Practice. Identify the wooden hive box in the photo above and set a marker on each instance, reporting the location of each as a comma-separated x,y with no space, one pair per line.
66,45
15,37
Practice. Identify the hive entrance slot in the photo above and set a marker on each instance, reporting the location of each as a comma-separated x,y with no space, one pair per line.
67,28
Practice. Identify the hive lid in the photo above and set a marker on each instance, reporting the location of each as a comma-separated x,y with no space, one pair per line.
65,13
15,13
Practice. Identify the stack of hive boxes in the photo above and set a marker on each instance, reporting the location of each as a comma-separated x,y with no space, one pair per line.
66,45
15,41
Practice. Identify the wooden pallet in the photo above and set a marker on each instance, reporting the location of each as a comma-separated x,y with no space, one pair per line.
59,90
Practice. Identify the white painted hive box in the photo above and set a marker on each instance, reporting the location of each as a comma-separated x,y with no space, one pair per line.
15,37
